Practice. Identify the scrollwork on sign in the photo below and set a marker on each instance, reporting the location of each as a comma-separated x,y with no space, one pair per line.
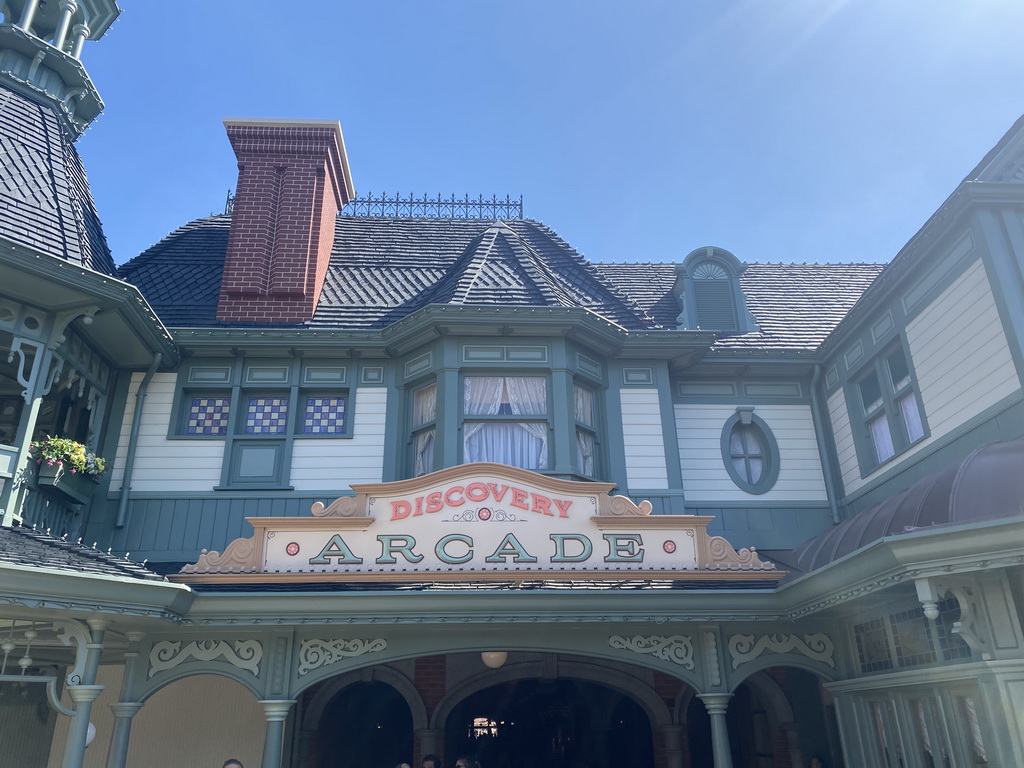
237,558
244,654
344,506
315,653
744,648
675,648
620,506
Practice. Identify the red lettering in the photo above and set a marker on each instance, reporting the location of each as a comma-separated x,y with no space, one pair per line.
450,494
518,499
419,507
498,495
476,492
434,503
563,507
542,504
400,509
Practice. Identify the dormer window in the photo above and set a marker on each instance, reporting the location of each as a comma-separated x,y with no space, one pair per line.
709,293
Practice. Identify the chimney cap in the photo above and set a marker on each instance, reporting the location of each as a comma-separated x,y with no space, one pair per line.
277,122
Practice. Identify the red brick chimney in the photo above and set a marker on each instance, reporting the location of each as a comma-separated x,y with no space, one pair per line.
293,178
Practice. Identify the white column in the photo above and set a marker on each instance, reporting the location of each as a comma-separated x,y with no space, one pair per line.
81,32
28,14
717,704
83,696
275,710
67,10
123,711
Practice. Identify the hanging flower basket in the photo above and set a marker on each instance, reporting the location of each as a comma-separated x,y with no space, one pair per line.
67,469
75,487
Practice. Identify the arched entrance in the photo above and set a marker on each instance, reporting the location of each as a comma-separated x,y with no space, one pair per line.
780,716
550,723
365,725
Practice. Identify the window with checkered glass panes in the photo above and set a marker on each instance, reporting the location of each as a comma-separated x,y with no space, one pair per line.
266,415
323,415
207,415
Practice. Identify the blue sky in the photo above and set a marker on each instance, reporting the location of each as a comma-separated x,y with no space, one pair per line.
781,130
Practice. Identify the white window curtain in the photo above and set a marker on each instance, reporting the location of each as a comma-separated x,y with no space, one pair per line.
518,444
881,437
584,405
424,406
585,453
424,450
911,416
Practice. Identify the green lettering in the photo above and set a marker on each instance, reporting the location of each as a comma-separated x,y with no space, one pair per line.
336,547
510,547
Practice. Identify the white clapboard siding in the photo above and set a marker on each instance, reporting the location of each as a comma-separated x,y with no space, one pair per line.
319,464
162,464
644,439
842,431
705,478
961,359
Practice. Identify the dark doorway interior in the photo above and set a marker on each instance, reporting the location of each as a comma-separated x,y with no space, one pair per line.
367,725
550,724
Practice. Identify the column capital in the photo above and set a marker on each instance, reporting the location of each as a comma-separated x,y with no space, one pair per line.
125,708
85,694
276,710
715,703
68,5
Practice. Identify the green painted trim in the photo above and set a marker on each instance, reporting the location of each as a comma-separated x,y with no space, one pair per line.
670,440
739,395
865,448
758,504
1005,274
950,267
990,414
770,473
616,449
397,414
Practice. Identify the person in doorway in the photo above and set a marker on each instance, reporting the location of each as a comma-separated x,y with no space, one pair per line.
232,763
430,761
467,762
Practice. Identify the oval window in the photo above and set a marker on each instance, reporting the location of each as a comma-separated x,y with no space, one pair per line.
750,453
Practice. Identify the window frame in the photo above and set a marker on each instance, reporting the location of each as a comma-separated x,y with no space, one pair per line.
237,387
415,430
592,429
745,417
889,407
547,418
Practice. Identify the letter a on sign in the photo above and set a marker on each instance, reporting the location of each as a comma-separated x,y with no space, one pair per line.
336,547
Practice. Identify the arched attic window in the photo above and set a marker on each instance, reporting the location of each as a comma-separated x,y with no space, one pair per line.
709,293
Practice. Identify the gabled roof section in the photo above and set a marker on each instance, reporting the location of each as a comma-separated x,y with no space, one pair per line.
29,547
383,270
45,202
1005,161
796,306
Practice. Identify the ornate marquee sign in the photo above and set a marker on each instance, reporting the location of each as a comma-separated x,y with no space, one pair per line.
476,522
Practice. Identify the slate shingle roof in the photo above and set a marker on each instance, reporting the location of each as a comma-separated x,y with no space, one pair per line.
25,546
383,270
45,202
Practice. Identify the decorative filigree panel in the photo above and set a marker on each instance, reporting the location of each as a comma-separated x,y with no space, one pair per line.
244,654
745,648
675,648
315,653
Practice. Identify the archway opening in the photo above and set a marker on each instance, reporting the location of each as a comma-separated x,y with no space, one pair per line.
366,725
550,724
782,716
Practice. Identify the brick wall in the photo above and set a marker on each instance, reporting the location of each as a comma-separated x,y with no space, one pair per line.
291,183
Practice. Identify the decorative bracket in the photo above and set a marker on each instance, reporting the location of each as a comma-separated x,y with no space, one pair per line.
675,648
817,647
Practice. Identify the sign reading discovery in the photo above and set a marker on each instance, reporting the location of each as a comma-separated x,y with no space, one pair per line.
473,522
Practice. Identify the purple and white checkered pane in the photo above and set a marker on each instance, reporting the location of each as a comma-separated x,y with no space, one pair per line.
324,415
266,416
208,416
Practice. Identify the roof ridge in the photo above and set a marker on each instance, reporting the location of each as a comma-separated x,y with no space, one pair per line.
470,273
629,303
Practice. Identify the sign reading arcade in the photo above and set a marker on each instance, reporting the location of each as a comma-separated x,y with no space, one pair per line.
478,521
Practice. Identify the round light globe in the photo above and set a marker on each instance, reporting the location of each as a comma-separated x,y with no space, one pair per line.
494,659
